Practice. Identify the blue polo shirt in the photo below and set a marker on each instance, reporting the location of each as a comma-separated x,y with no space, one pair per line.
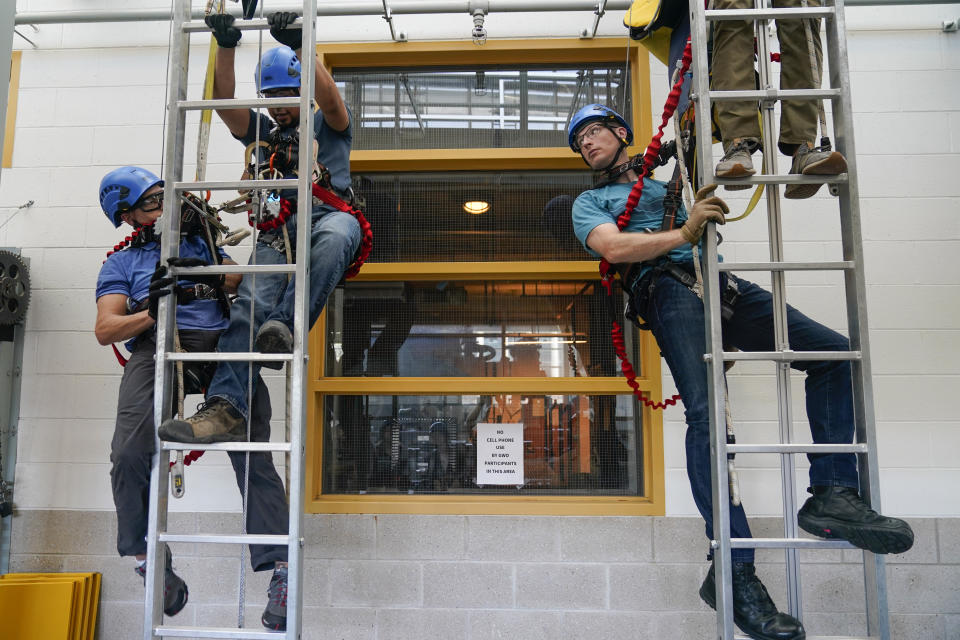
128,272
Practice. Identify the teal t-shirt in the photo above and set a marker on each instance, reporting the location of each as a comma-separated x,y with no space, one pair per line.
604,205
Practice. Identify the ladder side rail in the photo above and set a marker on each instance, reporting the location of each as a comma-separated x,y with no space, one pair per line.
876,592
179,55
723,564
778,288
301,323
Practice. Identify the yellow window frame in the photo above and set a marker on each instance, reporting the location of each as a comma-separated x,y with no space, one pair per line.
13,90
465,53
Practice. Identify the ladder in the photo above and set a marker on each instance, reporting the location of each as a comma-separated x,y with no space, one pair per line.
157,534
844,186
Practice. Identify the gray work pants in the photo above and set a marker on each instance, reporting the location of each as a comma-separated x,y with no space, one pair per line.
132,449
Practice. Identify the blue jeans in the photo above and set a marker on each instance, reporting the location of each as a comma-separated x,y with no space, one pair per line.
675,316
335,237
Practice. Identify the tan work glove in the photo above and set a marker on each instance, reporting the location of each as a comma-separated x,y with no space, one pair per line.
706,208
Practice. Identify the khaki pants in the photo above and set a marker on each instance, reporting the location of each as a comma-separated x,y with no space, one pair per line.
733,70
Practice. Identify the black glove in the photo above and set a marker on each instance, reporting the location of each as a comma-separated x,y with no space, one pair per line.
282,32
160,285
211,280
226,34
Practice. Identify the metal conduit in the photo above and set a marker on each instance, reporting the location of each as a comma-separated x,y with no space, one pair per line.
358,8
373,8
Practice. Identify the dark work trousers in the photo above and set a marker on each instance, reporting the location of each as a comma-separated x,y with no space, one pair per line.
132,449
675,316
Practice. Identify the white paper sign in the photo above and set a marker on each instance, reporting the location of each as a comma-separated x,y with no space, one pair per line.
499,453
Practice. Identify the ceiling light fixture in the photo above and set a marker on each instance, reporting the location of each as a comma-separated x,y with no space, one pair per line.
476,207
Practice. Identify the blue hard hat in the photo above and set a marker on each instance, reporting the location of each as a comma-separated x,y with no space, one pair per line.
595,113
122,188
279,68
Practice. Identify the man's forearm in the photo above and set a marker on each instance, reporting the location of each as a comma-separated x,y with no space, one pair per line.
224,78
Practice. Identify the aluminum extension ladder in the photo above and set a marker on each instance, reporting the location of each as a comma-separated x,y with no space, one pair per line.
845,186
183,24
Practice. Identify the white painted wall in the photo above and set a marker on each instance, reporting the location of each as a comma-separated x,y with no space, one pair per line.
91,98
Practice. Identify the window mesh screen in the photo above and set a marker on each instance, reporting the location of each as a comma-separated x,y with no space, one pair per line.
420,217
571,444
472,329
491,107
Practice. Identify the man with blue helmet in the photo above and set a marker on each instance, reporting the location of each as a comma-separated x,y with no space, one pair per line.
129,287
654,256
274,145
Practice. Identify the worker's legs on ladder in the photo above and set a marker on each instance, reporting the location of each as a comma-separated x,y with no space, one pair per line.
675,316
131,453
732,69
267,511
835,509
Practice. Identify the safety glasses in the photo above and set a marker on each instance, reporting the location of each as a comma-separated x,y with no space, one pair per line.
150,203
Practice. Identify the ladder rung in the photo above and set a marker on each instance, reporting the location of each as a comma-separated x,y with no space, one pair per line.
217,356
786,266
211,538
226,446
769,14
786,178
796,448
256,24
241,185
788,543
238,103
774,94
216,632
791,356
234,268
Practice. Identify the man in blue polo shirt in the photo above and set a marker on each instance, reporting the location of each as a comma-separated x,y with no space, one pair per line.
335,235
129,287
658,263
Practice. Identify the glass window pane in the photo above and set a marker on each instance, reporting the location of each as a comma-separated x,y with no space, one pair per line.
482,107
472,329
420,217
572,444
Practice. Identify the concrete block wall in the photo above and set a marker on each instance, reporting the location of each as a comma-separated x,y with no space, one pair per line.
396,577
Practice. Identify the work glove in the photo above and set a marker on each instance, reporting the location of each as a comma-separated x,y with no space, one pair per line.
214,280
282,32
160,285
706,208
221,24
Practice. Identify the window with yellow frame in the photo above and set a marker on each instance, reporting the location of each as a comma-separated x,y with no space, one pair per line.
11,120
469,368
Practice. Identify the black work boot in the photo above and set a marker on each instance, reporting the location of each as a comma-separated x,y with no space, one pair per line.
275,615
840,513
274,337
753,610
215,421
175,592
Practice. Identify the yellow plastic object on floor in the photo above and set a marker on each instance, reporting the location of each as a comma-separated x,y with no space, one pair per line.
49,606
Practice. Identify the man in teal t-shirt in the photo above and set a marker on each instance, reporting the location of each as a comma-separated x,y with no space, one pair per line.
661,294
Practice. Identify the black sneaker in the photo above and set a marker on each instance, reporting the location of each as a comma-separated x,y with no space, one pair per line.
840,513
275,615
174,588
813,161
274,337
753,610
215,421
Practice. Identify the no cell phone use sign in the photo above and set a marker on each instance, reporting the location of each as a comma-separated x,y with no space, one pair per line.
500,454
